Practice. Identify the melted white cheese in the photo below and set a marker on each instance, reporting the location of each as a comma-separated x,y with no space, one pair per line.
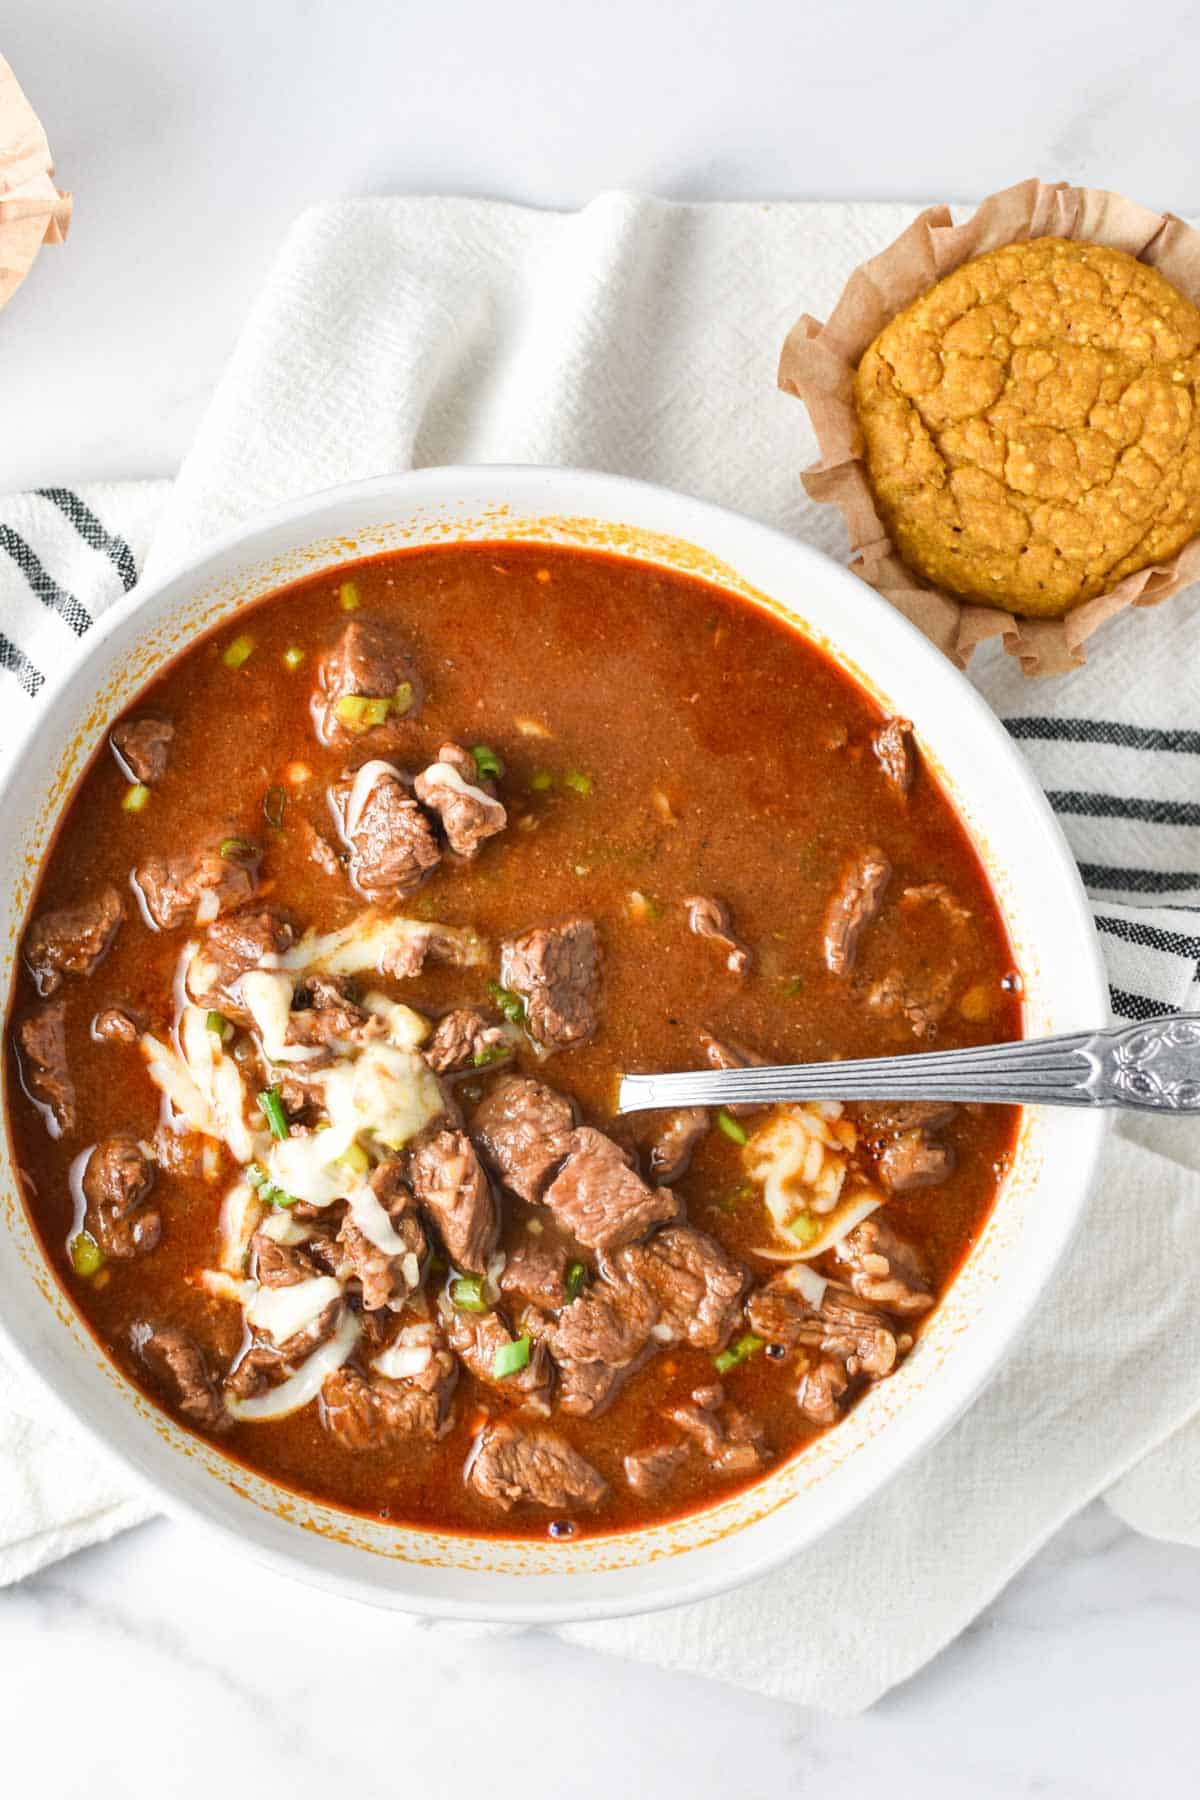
267,996
404,1027
394,1094
401,1360
241,1211
283,1311
446,775
168,1073
807,1283
834,1227
360,792
373,940
373,1222
305,1384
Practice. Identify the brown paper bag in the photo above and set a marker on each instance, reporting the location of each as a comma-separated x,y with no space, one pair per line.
818,363
32,210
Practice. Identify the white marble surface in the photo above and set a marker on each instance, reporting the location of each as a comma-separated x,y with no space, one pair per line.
192,136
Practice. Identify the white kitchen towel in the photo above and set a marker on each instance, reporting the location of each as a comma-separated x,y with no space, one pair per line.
642,337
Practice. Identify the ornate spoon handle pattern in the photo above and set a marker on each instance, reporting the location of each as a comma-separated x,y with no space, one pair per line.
1153,1067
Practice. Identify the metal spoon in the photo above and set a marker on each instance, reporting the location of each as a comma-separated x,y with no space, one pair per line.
1154,1067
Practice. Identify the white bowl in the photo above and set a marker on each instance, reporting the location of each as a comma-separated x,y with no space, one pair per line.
1031,871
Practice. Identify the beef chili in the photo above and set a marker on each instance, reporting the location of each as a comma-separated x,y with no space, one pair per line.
343,941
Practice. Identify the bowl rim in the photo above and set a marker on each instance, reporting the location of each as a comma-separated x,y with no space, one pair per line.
592,493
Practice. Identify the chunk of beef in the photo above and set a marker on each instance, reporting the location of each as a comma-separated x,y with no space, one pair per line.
187,1153
142,746
391,842
894,751
885,1270
599,1196
524,1130
281,1265
710,919
318,849
841,1326
370,662
855,903
117,1025
466,1039
198,886
466,804
367,1412
556,970
478,1337
72,939
42,1041
732,1442
648,1472
901,1134
676,1138
387,1275
514,1468
921,999
599,1340
695,1285
536,1271
325,1013
266,1363
116,1185
176,1360
232,947
823,1384
456,1196
914,1160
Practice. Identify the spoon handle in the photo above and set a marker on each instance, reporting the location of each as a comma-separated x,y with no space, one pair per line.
1153,1067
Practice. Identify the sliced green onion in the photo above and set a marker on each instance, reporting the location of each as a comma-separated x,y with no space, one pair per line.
237,849
574,1281
293,656
510,1358
258,1178
272,1111
235,654
738,1352
581,783
804,1229
510,1004
729,1125
274,806
540,780
793,987
135,797
486,761
488,1054
468,1294
349,598
355,1159
215,1022
86,1255
361,711
402,699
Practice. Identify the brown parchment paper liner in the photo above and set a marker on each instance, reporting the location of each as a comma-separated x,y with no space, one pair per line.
32,210
818,362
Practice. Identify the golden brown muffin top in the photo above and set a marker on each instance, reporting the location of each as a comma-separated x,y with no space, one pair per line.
1031,425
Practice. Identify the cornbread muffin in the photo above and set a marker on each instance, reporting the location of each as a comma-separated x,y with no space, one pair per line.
1031,425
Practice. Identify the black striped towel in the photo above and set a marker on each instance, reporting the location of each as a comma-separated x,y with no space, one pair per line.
1127,791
